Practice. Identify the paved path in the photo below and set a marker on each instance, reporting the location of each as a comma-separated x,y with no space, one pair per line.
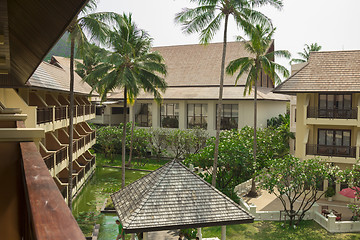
164,235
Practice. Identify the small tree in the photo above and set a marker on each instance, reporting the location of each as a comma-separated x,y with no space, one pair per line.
292,179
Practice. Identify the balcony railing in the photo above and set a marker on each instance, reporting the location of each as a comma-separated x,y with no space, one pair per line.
93,161
60,113
61,154
80,174
49,161
92,110
44,114
314,112
332,151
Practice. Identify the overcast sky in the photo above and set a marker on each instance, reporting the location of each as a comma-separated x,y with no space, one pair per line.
333,24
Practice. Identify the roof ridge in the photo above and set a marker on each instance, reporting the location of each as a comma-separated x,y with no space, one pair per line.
335,51
197,44
215,189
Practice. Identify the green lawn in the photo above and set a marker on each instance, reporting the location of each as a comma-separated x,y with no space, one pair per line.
143,163
308,230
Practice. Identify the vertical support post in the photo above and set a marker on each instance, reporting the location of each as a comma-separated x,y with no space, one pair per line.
199,234
331,222
145,236
133,236
223,232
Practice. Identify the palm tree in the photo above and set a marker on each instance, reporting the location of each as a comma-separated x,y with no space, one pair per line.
314,47
94,56
130,66
260,60
93,24
206,19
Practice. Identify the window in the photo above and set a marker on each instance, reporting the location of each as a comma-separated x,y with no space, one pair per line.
118,110
334,142
335,105
169,115
229,116
334,137
197,115
143,114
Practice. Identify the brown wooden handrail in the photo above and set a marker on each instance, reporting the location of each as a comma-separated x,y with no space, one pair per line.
50,216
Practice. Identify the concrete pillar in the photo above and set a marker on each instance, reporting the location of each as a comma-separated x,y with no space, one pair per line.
223,232
252,209
145,236
155,115
182,115
331,222
199,234
211,118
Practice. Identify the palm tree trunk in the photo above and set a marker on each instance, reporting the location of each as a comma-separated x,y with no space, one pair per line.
253,192
123,153
71,122
132,135
218,113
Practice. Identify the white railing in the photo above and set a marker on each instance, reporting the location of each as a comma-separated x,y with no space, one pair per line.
329,222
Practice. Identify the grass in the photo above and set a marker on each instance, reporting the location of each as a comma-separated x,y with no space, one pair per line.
308,230
143,163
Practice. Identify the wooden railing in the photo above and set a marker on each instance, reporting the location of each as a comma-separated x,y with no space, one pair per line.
60,113
44,205
49,161
87,167
61,154
87,109
44,114
93,161
80,174
314,112
332,151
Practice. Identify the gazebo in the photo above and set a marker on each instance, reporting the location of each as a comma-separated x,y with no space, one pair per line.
173,197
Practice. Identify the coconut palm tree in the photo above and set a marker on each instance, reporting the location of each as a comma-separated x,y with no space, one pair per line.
314,47
130,66
261,59
94,24
206,19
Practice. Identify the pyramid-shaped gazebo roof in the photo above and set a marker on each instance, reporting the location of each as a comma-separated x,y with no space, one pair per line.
174,197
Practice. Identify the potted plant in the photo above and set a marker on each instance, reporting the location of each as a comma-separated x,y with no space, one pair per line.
329,193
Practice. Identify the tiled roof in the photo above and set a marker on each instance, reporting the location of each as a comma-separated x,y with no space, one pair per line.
54,77
208,93
173,197
193,65
337,71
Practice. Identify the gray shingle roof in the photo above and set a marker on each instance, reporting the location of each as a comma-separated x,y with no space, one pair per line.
336,71
198,65
57,78
173,197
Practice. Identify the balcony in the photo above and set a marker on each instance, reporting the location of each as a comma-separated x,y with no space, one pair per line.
55,117
331,151
314,112
44,115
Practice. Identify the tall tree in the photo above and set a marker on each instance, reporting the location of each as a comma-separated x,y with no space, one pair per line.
314,47
207,19
130,66
94,24
261,59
